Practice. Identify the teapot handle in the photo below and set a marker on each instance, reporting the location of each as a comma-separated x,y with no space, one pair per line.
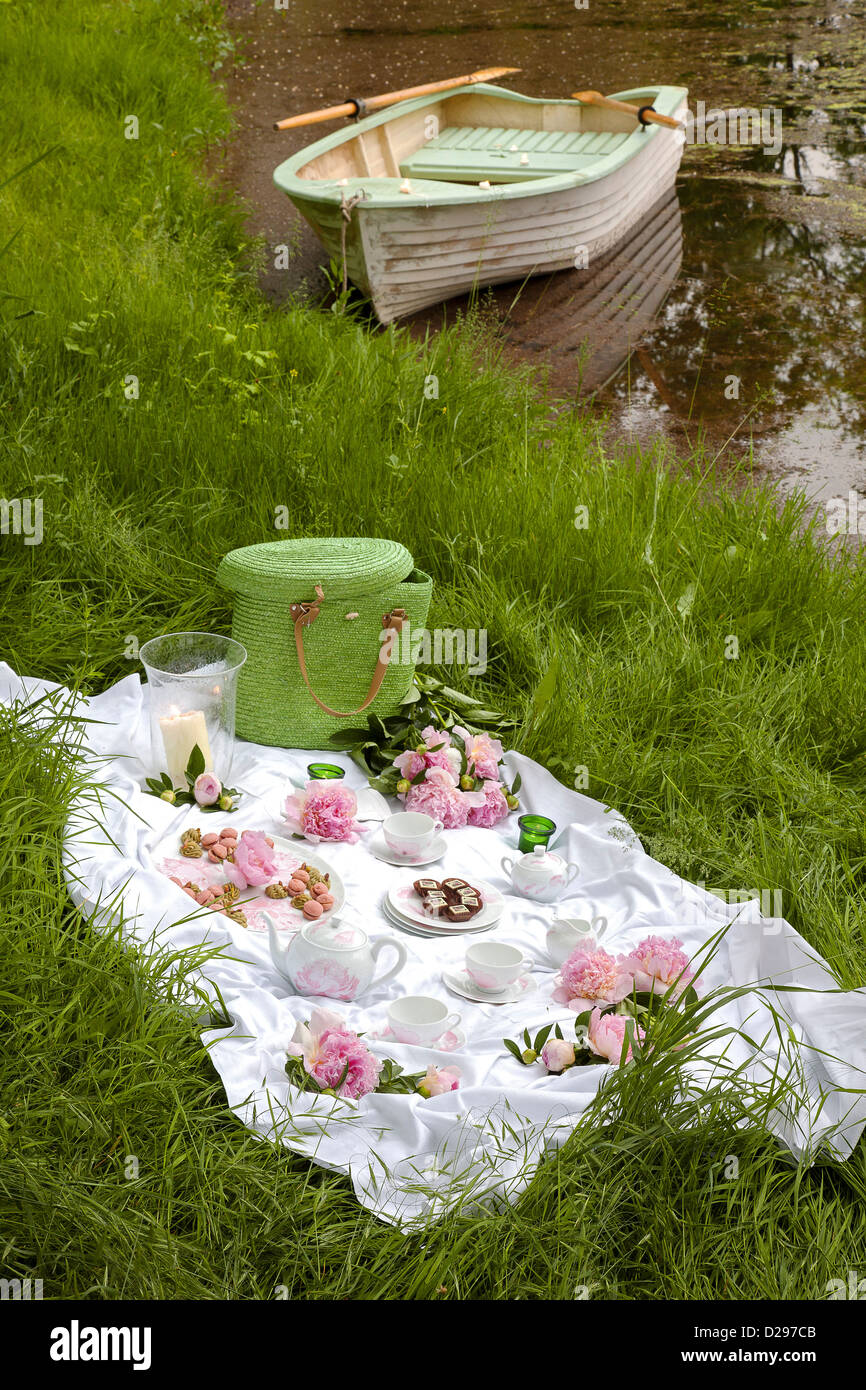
573,871
378,946
507,866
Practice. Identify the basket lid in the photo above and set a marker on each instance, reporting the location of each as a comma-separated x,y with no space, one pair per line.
290,569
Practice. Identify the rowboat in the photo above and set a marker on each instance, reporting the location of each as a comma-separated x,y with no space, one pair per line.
449,192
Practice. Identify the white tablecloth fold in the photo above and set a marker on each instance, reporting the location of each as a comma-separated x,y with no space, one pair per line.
410,1159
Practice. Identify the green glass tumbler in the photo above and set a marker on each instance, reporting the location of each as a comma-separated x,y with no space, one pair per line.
534,830
325,771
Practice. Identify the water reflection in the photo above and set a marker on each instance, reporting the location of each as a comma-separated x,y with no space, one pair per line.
580,326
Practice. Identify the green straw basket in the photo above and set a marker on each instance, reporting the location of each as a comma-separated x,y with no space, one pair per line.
321,620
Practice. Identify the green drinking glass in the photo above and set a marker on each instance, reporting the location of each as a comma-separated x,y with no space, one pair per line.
534,830
325,771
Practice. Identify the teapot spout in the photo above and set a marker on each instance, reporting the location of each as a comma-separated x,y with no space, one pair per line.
279,952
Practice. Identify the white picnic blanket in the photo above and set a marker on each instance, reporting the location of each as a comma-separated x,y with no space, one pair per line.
409,1159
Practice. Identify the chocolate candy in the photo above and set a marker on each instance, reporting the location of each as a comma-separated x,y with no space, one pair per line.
425,885
456,912
452,887
434,904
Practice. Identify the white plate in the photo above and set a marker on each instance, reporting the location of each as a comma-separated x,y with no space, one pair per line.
405,903
291,854
383,851
430,933
459,983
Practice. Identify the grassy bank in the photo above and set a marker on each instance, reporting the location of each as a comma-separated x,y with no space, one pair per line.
163,413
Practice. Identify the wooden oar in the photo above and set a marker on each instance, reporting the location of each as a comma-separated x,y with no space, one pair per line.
596,99
359,107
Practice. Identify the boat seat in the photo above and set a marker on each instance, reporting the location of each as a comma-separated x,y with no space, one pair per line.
468,154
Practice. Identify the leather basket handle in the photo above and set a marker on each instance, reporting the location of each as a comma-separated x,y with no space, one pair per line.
304,614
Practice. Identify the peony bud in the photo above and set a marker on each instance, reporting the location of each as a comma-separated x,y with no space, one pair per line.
168,796
403,786
225,803
207,789
467,783
557,1054
529,1056
511,801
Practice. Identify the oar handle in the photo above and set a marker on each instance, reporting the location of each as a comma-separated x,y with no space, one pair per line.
648,116
351,108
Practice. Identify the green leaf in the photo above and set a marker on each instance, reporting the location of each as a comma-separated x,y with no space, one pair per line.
195,766
514,1050
542,1036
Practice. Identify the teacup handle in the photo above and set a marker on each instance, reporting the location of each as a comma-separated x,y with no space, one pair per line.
451,1022
438,827
378,946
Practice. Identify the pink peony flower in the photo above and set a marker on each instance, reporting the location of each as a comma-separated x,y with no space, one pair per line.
483,753
324,811
207,789
331,1051
494,809
590,976
656,963
557,1054
607,1035
440,797
438,1081
254,863
411,762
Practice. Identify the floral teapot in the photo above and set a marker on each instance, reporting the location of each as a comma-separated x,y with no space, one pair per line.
541,875
331,958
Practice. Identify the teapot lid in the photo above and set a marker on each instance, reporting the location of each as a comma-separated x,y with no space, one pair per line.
334,935
540,858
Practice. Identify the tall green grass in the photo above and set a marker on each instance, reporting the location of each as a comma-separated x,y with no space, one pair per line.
745,771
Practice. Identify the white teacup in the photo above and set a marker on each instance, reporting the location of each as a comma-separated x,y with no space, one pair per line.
492,966
410,833
420,1020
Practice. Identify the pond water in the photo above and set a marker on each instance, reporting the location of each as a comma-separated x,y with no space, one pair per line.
756,270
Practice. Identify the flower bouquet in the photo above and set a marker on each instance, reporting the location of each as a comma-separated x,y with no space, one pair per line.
615,999
438,757
328,1058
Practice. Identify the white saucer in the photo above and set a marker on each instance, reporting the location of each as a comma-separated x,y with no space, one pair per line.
379,847
459,983
452,1041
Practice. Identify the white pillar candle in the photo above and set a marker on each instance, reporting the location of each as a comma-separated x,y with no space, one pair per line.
180,734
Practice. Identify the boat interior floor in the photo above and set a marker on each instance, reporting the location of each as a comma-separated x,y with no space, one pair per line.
468,154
